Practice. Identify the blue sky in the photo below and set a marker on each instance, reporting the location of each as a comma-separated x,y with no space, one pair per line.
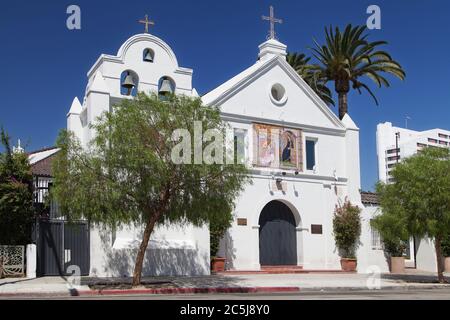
44,65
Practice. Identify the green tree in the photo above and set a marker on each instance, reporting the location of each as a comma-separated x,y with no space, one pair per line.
393,231
310,74
349,56
16,196
347,229
420,196
127,175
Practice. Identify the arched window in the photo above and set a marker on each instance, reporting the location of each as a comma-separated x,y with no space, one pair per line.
166,87
129,82
149,55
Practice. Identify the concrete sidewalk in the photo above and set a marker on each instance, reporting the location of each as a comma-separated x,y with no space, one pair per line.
58,286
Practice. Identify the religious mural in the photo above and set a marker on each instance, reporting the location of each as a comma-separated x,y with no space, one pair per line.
277,147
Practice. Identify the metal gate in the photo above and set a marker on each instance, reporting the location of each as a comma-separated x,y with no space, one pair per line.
12,260
61,244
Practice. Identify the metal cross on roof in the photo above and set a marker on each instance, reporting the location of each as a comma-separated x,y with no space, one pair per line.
146,22
272,21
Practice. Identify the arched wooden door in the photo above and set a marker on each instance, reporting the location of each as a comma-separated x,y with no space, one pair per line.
277,235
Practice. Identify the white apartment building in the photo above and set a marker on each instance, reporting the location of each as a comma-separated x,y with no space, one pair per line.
395,144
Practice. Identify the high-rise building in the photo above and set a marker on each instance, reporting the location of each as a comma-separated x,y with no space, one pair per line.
395,144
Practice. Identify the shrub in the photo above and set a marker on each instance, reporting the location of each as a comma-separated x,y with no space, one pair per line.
16,195
393,232
217,230
347,229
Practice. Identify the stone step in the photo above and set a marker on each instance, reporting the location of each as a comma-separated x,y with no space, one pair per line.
282,270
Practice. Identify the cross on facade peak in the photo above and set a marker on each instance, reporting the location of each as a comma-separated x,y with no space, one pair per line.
271,18
146,22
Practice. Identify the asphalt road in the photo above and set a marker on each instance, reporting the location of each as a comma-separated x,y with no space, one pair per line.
429,294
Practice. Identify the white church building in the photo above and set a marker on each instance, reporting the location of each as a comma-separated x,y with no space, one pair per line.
303,161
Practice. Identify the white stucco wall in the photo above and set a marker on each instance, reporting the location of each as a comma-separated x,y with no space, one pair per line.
311,195
173,250
314,251
370,258
426,255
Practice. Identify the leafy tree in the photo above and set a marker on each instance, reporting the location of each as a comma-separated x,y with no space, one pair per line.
420,197
349,56
16,196
309,73
347,229
127,175
392,229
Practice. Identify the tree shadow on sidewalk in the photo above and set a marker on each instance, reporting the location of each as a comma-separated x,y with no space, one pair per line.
212,281
414,278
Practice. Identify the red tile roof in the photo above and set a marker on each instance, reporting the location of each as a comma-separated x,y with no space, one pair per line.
369,198
43,167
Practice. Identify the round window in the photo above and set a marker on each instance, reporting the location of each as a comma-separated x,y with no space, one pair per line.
278,94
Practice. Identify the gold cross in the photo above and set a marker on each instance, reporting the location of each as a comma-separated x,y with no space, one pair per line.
272,20
147,23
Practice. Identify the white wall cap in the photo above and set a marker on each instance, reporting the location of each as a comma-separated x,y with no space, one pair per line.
142,37
75,108
38,156
272,48
98,84
220,94
348,122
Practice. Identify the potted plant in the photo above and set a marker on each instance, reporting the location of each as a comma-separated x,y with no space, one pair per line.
445,245
395,237
395,249
347,230
217,230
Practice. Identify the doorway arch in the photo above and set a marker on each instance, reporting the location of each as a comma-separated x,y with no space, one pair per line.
277,235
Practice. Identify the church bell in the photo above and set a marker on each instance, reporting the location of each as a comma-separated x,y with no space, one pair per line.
166,87
128,83
148,56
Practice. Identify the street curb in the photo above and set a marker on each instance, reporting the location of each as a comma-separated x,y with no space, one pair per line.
191,290
216,290
399,288
162,291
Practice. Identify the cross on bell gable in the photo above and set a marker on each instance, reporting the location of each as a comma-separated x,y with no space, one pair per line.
271,18
147,23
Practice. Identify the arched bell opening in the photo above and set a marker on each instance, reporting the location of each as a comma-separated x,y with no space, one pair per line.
148,55
166,87
129,82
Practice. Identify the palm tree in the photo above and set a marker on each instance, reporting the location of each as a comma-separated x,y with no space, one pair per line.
349,56
300,63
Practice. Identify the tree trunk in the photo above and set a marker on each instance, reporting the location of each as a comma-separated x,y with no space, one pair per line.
1,267
143,248
343,104
342,87
440,267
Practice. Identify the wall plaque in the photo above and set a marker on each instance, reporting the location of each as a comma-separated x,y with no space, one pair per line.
316,229
242,221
